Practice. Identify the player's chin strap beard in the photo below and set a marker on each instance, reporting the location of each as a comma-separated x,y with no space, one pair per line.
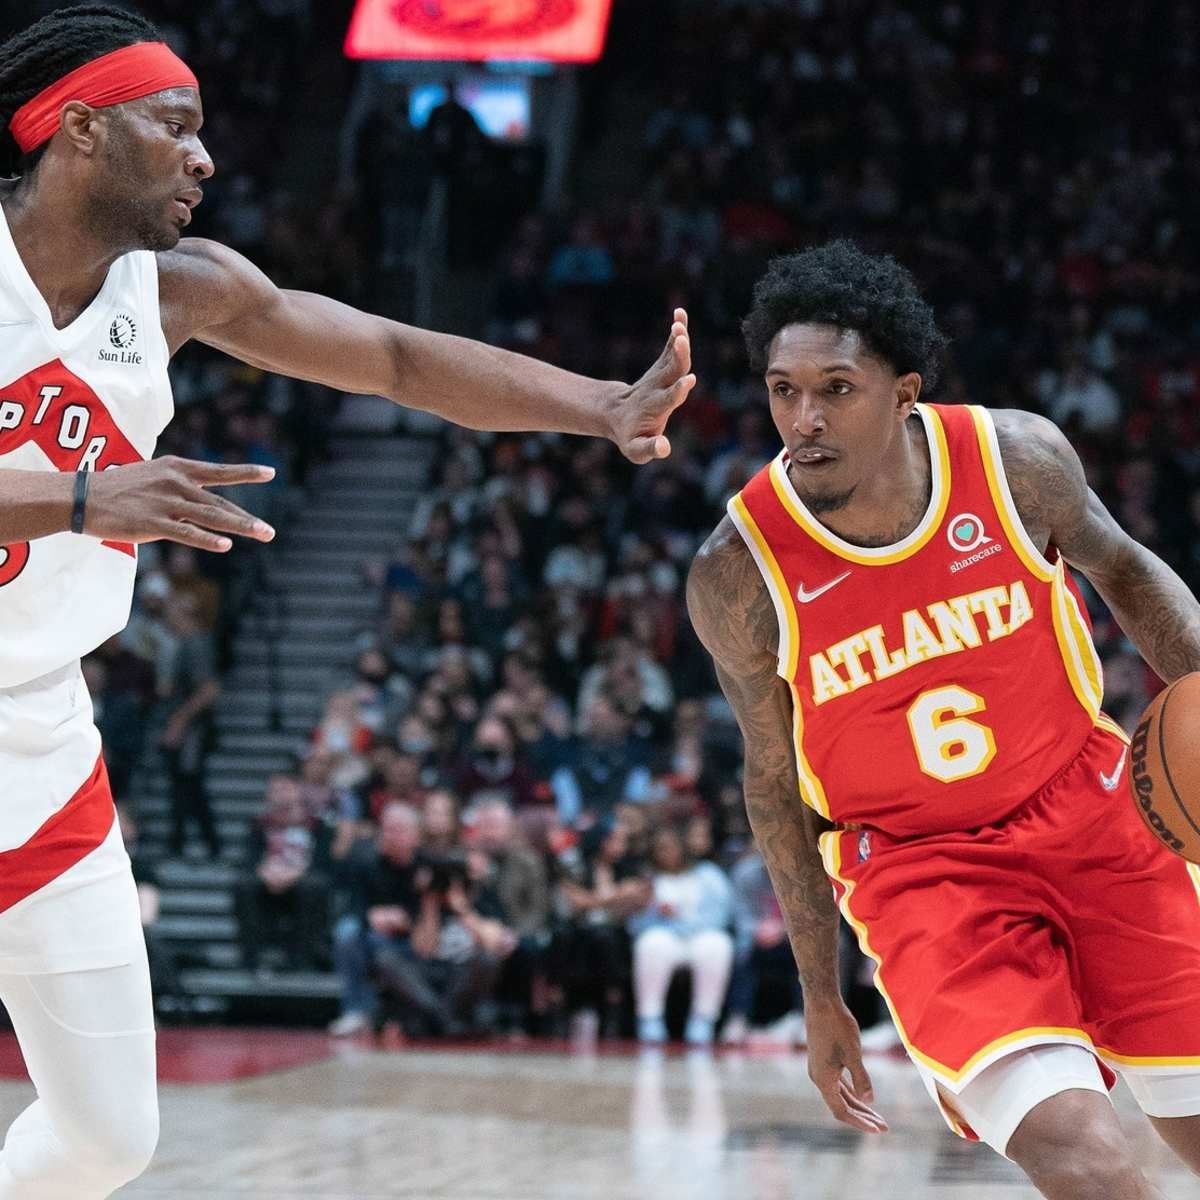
819,505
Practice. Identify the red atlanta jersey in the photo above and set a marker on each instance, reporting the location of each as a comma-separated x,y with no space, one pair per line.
939,682
90,396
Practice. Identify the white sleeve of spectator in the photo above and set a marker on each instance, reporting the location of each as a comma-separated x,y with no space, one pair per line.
637,786
568,799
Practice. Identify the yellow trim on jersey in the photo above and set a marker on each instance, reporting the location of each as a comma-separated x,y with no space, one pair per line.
939,456
1078,653
1126,1060
993,467
1105,722
811,790
1083,640
768,566
831,853
1074,642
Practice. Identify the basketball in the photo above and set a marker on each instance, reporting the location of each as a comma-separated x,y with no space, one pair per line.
1164,767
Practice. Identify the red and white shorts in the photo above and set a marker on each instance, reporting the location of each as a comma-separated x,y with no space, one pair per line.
1065,923
67,897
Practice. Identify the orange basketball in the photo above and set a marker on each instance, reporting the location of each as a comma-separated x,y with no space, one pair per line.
1164,767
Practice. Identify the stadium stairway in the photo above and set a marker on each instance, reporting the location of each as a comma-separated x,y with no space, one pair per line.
294,646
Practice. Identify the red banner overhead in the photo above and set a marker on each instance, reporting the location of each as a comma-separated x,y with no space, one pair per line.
550,30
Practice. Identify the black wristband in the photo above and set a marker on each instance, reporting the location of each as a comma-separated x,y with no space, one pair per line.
81,491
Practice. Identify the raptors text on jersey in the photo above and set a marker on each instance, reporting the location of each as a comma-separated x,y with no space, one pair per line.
939,682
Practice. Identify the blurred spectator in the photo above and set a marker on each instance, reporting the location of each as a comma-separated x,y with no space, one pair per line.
191,690
440,827
149,634
492,768
459,945
685,924
285,902
122,687
400,638
386,877
185,578
1126,688
170,1001
1080,397
343,734
601,887
761,949
602,767
519,876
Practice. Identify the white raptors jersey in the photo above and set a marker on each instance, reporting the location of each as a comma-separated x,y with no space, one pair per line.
90,396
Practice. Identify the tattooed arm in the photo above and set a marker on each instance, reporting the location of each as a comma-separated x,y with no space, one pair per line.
735,619
1150,602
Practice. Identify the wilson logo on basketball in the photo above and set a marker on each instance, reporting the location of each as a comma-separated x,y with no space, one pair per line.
485,19
1143,786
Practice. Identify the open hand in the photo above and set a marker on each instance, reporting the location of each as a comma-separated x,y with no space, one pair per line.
835,1065
167,499
639,417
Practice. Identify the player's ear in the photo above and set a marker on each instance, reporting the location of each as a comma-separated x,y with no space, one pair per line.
81,123
908,392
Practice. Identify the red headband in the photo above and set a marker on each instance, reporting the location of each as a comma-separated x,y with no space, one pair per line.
126,74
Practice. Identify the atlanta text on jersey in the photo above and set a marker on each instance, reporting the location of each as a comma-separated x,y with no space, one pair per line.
946,627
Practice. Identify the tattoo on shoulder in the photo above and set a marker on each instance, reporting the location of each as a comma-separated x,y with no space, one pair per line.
728,601
1051,492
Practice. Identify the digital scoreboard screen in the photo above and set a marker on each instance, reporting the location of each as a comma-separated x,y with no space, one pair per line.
479,30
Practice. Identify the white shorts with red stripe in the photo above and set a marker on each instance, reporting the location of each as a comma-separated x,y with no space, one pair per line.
67,896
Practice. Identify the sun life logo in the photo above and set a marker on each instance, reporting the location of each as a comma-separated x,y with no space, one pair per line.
965,533
122,333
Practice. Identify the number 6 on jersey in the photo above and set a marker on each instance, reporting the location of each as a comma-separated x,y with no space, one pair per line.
950,746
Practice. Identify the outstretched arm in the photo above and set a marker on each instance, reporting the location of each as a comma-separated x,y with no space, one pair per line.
734,618
214,295
1151,603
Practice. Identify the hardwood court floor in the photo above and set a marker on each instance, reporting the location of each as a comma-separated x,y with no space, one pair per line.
366,1124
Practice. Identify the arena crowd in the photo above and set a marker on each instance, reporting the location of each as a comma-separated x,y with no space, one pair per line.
523,802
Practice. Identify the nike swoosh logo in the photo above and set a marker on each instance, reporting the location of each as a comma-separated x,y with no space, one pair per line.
806,597
1110,782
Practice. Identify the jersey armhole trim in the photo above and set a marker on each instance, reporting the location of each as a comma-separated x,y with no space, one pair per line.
769,569
156,335
993,465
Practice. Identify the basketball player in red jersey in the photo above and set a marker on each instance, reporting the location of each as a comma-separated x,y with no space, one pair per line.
100,126
891,618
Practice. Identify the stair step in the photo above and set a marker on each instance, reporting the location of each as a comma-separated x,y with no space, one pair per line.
196,929
314,578
257,743
292,676
330,514
179,902
230,808
175,872
345,537
361,604
240,982
236,762
330,652
360,449
294,722
231,830
291,626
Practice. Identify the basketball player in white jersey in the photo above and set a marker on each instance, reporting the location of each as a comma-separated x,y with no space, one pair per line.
97,291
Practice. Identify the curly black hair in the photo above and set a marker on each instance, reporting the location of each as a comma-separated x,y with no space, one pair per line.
840,284
50,48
